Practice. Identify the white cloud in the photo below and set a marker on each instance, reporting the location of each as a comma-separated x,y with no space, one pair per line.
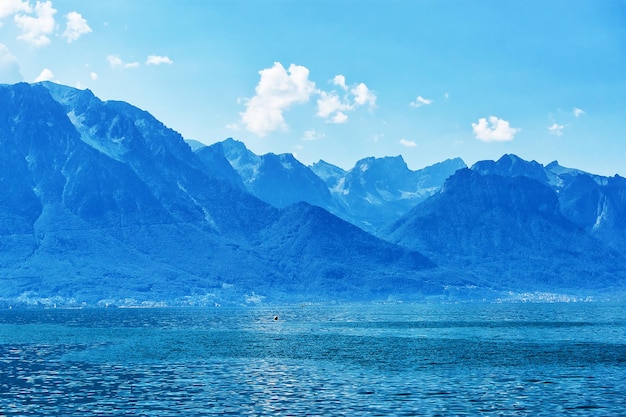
232,126
11,7
45,75
311,135
116,62
340,81
407,143
76,27
333,108
330,103
93,76
496,130
420,101
446,96
9,66
158,60
339,118
556,129
363,95
578,112
277,90
35,30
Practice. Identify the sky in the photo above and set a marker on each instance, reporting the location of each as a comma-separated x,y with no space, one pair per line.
342,80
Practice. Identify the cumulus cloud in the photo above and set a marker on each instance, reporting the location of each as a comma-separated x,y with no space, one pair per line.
494,130
420,101
11,7
311,135
93,76
280,89
333,108
407,143
556,129
45,75
116,62
9,67
277,90
35,30
363,95
75,27
340,81
158,60
578,112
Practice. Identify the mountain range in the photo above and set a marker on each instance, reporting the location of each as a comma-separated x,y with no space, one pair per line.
374,192
101,204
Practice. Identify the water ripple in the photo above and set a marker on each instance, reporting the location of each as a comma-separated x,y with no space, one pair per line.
198,363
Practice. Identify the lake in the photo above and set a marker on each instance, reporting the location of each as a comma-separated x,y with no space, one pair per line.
354,359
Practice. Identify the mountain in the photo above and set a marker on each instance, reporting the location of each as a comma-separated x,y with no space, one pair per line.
379,190
322,242
373,193
103,204
329,173
217,165
597,207
503,225
594,203
512,166
195,144
279,180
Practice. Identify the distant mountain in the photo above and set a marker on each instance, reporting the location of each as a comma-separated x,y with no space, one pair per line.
217,165
373,193
503,224
379,190
279,180
195,144
329,173
103,204
594,203
512,166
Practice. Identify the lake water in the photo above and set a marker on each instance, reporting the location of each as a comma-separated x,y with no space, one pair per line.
468,359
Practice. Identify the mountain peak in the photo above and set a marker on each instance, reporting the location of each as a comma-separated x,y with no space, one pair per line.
329,173
386,162
510,165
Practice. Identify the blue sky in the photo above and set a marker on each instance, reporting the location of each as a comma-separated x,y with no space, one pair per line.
345,79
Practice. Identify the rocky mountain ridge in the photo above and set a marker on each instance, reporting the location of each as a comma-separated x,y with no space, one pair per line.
101,204
374,192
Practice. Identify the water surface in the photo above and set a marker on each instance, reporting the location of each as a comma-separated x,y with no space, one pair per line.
469,359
